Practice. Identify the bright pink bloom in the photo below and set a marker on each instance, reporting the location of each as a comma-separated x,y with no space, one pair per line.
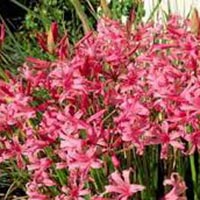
178,190
115,161
84,160
42,178
39,164
51,43
166,138
13,150
194,139
62,48
33,192
122,186
75,189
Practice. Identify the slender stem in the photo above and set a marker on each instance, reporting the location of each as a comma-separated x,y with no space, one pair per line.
140,171
194,176
81,14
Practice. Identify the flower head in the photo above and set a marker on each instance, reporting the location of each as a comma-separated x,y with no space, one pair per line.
121,186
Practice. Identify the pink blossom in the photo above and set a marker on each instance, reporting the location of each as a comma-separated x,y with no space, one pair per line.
40,164
34,193
178,190
194,139
122,186
84,160
166,139
52,43
75,189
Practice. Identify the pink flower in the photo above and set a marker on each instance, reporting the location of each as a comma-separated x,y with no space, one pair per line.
34,193
122,186
51,43
115,161
39,164
42,178
47,40
62,48
76,189
166,138
194,139
38,64
178,190
40,174
84,160
13,150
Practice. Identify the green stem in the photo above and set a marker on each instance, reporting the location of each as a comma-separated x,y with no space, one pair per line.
140,172
194,176
81,14
98,183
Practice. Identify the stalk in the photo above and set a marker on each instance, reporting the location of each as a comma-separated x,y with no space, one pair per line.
140,174
81,14
98,179
194,176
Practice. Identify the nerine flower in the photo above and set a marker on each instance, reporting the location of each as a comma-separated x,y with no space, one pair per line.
121,186
178,190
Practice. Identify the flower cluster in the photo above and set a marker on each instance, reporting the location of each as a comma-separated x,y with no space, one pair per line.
69,123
